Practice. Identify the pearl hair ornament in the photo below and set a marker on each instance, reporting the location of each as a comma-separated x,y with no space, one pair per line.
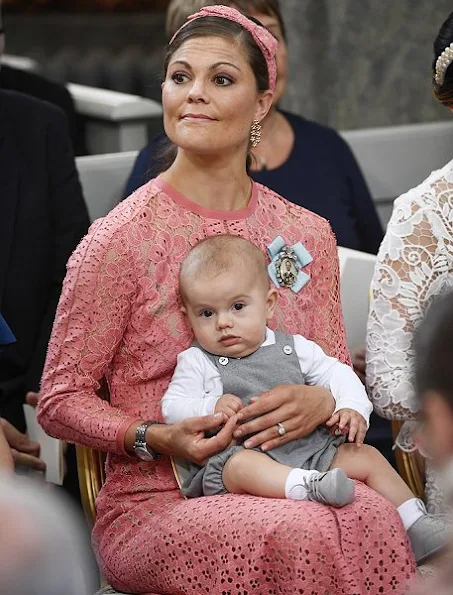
442,64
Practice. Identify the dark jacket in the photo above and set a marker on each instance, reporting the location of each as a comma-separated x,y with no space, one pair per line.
43,217
35,85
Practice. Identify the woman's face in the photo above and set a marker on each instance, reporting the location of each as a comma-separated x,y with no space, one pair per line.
210,97
436,437
271,23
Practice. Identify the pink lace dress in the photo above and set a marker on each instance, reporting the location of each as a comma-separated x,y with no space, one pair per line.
119,318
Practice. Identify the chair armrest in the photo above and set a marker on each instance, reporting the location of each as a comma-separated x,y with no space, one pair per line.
113,106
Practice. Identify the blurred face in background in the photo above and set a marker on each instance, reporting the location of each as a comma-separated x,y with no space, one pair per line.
436,435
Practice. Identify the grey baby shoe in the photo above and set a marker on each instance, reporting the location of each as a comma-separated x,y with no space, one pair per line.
429,534
332,487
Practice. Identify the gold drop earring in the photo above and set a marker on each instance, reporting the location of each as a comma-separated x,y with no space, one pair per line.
255,134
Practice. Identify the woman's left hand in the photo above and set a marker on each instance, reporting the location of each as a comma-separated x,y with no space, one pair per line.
298,408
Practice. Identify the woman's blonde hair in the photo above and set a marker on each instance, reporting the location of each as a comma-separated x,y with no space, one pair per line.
179,10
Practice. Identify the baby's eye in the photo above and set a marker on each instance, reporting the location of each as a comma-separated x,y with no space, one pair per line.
207,313
238,306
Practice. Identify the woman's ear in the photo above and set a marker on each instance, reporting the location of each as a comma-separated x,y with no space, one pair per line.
271,302
264,105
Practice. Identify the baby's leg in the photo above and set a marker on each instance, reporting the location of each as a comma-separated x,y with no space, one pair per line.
366,464
255,473
427,533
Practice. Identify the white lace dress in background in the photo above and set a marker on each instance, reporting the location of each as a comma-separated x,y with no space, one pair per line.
414,265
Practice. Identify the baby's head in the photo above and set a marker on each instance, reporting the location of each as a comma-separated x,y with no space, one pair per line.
226,295
434,378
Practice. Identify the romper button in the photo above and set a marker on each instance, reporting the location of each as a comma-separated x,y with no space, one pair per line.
287,349
223,361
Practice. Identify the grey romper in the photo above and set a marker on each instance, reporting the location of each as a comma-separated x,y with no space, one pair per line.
247,377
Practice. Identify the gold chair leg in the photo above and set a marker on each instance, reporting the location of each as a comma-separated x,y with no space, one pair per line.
411,466
90,469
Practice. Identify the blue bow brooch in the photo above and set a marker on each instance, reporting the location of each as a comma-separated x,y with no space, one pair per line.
285,268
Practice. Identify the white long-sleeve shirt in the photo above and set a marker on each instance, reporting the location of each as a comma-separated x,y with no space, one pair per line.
196,385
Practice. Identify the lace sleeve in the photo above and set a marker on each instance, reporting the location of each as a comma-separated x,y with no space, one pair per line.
89,325
412,268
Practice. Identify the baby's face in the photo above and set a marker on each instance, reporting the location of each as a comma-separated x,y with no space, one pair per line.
228,313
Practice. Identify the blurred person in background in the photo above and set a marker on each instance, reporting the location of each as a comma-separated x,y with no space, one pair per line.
42,547
414,265
307,163
35,85
433,351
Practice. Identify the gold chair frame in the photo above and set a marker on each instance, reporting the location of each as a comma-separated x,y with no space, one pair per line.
91,472
411,466
91,468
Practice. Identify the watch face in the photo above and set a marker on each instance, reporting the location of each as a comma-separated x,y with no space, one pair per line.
143,453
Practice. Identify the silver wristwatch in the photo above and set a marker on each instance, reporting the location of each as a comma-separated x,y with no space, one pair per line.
141,449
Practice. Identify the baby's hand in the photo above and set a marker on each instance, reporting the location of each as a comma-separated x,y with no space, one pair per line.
351,422
228,404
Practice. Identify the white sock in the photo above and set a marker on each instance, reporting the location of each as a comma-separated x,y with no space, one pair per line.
294,487
410,511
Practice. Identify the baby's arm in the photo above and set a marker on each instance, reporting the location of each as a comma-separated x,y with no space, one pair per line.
353,408
186,395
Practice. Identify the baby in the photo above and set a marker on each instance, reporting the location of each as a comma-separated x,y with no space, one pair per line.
228,300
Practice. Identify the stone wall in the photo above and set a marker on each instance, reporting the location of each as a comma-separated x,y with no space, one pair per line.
363,63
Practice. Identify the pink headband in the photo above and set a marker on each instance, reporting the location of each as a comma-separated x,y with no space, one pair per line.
264,40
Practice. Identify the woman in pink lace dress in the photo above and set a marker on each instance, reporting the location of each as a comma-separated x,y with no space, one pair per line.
119,318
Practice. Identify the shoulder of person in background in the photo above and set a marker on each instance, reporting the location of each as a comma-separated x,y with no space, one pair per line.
324,137
35,85
43,219
148,163
325,143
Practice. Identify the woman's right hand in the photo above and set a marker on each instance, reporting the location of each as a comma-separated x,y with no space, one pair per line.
24,452
187,438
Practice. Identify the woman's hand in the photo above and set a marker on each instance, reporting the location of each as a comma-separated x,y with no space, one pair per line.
299,408
24,452
187,438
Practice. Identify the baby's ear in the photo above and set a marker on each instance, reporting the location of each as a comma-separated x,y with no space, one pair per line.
183,310
272,297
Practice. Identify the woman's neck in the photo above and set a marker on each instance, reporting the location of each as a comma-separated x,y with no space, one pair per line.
213,183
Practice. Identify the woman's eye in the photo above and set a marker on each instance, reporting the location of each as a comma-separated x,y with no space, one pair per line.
222,80
238,307
207,313
178,78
